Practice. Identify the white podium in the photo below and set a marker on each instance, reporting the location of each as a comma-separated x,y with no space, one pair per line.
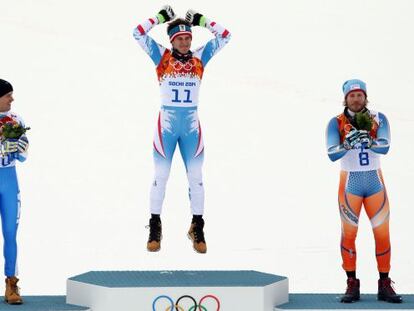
161,290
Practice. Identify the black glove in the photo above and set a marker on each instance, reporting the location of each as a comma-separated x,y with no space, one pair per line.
166,14
195,18
365,139
351,139
355,137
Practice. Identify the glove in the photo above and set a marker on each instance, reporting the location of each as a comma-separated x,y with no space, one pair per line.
365,139
9,146
165,14
22,144
195,18
351,139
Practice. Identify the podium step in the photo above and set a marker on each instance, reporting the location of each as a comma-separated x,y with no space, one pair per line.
332,302
160,290
41,303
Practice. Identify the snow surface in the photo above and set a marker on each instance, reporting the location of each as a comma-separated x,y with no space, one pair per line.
91,97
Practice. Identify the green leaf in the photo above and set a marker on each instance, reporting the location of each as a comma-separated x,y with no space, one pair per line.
14,132
364,121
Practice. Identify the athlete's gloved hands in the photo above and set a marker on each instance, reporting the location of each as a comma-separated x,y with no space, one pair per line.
166,14
9,146
351,139
195,18
355,137
365,139
22,144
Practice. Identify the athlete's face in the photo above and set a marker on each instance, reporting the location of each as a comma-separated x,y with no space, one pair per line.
182,43
5,102
356,101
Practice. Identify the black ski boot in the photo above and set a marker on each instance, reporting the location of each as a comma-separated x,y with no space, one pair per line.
386,292
352,291
155,235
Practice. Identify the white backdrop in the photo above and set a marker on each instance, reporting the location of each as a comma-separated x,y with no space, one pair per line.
91,97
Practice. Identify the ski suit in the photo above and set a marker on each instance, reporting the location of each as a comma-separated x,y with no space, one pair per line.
361,183
10,201
178,120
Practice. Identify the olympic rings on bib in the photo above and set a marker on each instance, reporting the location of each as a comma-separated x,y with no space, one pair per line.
177,65
194,307
348,128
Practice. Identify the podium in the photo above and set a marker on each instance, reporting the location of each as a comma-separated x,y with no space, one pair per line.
192,291
162,290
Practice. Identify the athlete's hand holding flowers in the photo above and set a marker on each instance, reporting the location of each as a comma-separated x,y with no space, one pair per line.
22,144
12,136
351,139
361,134
364,123
365,139
356,138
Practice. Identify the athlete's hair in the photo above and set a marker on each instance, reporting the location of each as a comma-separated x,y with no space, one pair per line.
178,21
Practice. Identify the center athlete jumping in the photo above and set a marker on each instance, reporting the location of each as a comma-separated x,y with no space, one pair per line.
179,72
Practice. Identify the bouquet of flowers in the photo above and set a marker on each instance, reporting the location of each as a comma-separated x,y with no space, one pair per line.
10,130
363,121
360,134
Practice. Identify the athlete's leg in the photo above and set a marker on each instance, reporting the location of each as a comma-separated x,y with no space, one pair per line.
10,213
165,140
196,187
377,208
350,202
192,151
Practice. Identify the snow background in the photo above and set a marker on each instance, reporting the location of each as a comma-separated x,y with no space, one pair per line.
91,97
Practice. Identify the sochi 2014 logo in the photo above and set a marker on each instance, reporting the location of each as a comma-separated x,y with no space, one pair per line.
185,303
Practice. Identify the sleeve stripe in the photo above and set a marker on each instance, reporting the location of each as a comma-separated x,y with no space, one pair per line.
141,30
225,33
212,24
152,21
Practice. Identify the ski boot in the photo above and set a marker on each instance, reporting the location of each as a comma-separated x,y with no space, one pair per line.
155,234
386,292
196,235
12,295
352,291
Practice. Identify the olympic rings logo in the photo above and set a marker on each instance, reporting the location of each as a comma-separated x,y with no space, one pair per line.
348,128
177,65
195,306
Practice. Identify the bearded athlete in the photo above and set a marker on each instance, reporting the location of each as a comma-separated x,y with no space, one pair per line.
362,183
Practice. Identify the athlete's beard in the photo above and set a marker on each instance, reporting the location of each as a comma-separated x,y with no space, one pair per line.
182,57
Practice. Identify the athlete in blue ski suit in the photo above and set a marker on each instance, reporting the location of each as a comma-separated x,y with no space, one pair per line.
11,150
